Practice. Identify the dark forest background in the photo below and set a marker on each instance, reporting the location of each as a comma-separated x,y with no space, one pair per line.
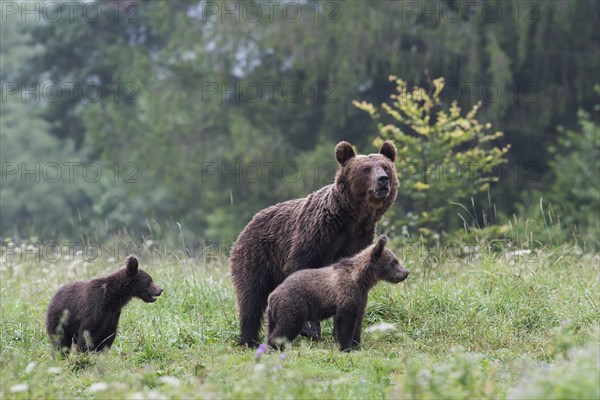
181,119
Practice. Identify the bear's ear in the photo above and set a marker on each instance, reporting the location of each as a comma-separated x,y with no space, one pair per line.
344,152
378,249
388,149
131,264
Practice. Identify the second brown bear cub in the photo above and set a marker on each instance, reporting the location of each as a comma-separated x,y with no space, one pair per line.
87,313
339,290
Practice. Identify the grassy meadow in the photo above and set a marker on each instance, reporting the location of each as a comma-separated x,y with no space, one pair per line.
498,324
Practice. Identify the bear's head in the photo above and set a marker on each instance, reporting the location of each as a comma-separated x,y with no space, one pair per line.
385,263
140,281
370,179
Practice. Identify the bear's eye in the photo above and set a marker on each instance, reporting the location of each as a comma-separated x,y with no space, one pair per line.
385,168
367,170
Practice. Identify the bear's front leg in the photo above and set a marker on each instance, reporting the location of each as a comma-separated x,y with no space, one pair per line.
64,343
301,257
312,330
85,342
358,327
344,324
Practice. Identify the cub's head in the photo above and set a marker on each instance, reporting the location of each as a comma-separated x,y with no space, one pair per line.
141,282
368,178
385,263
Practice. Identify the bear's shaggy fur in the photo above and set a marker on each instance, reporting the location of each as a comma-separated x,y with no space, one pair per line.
339,290
334,222
88,312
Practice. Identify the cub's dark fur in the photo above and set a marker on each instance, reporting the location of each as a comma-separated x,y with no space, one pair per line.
339,290
88,312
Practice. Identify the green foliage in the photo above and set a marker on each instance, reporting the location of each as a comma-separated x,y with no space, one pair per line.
574,377
575,191
567,210
37,195
463,376
443,156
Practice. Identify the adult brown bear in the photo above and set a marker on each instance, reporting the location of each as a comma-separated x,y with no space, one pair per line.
334,222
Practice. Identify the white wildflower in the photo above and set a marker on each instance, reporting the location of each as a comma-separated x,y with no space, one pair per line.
54,370
29,368
155,395
169,380
19,387
382,327
98,387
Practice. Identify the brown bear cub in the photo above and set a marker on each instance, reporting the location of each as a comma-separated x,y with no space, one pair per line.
334,222
88,312
339,290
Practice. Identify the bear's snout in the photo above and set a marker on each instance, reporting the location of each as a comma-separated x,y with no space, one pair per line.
383,179
151,294
382,187
382,184
402,275
157,291
405,274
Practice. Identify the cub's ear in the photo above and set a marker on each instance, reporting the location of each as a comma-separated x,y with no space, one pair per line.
388,149
131,264
344,152
378,249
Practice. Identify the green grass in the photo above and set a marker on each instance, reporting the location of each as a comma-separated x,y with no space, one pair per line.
482,327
